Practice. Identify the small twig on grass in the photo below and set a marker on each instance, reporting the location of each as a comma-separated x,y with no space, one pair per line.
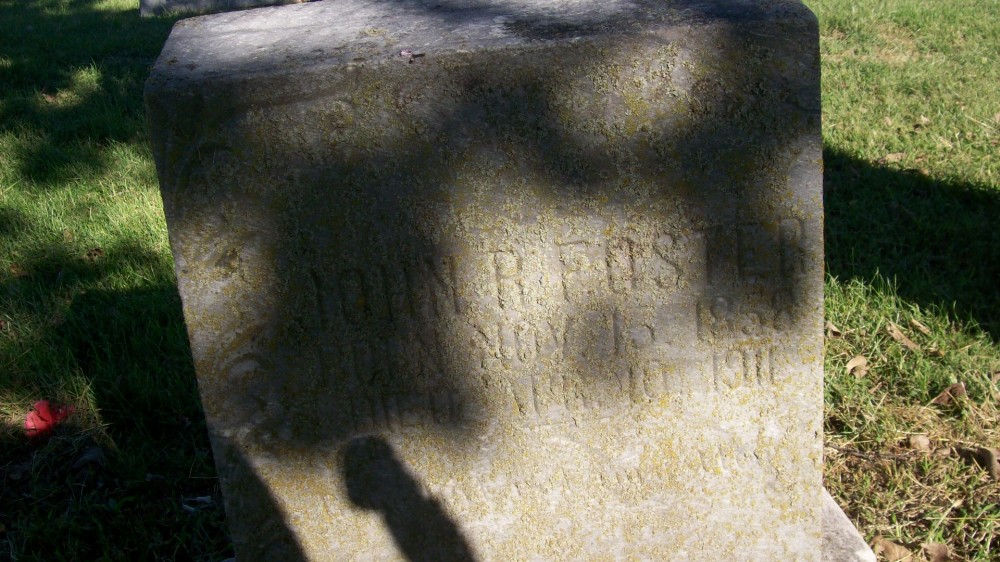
983,123
871,455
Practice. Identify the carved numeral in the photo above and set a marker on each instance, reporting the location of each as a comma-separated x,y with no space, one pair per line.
743,367
621,265
509,278
793,256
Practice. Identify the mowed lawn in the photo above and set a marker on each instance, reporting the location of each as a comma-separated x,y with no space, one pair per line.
90,317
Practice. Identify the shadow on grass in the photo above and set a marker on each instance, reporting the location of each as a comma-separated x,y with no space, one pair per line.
71,74
67,498
153,494
937,239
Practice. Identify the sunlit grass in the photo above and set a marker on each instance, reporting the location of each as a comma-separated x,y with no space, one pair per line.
910,127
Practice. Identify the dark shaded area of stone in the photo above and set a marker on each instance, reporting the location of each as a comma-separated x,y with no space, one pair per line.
377,480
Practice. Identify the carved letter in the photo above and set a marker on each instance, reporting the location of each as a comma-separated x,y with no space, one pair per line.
581,275
621,265
510,289
793,259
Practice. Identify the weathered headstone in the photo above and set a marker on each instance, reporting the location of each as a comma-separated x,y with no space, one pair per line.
503,281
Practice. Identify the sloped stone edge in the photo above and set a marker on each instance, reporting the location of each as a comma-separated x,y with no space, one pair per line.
841,540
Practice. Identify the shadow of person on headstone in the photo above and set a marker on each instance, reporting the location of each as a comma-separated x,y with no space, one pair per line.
376,480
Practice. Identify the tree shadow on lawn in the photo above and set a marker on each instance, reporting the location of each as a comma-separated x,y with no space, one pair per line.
129,349
71,77
72,497
937,239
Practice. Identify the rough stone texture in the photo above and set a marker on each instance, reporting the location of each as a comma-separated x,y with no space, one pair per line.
548,289
148,8
841,541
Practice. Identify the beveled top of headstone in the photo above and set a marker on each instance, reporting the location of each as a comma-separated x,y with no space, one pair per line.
340,33
512,281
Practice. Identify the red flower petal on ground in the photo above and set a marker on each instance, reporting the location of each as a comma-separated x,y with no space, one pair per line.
44,418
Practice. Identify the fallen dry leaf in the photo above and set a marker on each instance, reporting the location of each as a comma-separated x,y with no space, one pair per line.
950,395
920,442
942,453
898,335
924,120
94,253
918,326
89,463
985,457
858,366
832,331
936,552
92,455
935,352
891,551
892,158
193,505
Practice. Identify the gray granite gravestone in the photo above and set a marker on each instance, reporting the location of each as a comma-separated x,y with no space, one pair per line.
503,281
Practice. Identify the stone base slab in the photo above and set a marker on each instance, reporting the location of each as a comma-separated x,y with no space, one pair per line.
842,542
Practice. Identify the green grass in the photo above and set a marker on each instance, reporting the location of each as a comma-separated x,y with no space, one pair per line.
912,184
89,312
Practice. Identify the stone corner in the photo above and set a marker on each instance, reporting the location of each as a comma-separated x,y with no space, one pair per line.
842,542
